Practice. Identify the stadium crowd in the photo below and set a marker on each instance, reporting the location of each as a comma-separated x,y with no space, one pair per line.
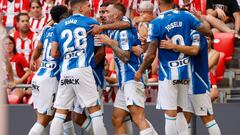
32,25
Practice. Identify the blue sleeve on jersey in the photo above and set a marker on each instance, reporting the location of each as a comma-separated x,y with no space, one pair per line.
54,36
153,31
194,22
124,40
195,37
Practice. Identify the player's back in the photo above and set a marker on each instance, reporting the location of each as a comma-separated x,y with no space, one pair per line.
199,66
76,46
49,66
175,25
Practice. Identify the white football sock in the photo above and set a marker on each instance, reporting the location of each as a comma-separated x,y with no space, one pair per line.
97,123
213,128
87,126
181,123
37,129
57,124
147,131
154,131
189,129
170,125
68,128
129,127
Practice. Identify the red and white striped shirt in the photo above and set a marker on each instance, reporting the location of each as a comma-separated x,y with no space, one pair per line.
59,2
11,9
36,25
46,7
193,5
25,46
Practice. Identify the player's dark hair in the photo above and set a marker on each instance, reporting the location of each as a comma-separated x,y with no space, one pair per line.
120,7
166,2
58,12
105,4
21,14
74,2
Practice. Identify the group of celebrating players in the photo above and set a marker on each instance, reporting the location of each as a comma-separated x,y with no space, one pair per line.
67,86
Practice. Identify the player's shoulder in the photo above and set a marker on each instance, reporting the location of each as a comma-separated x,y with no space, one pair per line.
89,20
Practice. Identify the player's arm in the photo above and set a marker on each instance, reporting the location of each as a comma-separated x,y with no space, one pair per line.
99,54
55,53
119,25
204,29
148,59
121,54
188,50
36,54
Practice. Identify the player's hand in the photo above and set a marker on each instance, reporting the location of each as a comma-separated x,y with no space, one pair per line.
96,29
102,39
137,50
33,65
138,76
167,44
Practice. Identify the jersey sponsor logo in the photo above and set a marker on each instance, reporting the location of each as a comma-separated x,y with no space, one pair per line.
74,54
70,81
173,25
178,63
183,82
48,65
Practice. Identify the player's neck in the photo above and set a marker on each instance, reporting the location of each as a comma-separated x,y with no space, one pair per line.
165,8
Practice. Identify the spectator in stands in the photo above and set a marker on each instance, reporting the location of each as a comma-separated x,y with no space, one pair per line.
24,37
213,57
47,6
19,65
224,11
191,5
10,8
141,22
37,20
111,78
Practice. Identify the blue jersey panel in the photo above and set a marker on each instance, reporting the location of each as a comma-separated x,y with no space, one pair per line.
49,66
175,25
199,65
76,46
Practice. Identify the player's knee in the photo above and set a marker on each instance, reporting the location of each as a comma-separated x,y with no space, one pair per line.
171,113
138,118
117,120
78,118
44,120
206,119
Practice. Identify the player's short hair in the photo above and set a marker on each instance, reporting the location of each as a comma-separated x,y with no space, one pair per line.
105,4
21,14
166,2
120,7
74,2
58,12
